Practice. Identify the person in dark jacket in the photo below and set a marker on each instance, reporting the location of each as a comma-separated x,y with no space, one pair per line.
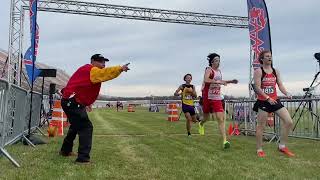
80,93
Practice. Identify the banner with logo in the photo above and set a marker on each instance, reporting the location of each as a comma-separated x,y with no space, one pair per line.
31,53
259,29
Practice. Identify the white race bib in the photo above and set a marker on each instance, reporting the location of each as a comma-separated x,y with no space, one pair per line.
214,92
268,90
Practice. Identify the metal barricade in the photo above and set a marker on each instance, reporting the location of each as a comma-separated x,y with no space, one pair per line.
304,112
35,116
15,115
4,86
7,124
240,112
305,115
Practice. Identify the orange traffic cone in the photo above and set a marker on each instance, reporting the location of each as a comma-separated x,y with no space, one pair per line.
230,131
236,130
173,112
130,108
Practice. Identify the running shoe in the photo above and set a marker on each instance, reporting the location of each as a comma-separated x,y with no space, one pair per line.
286,151
201,129
261,154
226,145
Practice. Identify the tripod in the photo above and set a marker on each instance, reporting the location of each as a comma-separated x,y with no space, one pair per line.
308,94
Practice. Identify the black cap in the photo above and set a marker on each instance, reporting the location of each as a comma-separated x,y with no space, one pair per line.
98,57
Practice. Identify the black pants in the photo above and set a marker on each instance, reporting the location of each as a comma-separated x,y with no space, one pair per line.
79,124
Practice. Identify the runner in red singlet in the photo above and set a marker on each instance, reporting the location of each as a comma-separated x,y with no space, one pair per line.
265,79
211,94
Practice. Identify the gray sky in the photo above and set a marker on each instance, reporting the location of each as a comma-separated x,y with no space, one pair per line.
160,53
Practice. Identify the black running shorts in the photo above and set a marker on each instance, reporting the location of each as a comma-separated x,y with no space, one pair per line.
266,106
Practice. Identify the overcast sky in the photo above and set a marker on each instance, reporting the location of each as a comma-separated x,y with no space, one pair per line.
161,54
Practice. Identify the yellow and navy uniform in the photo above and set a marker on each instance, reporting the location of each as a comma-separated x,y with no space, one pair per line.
187,97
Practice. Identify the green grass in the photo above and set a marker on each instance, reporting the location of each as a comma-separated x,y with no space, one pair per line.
143,145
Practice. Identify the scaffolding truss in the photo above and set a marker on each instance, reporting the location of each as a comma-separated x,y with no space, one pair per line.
103,10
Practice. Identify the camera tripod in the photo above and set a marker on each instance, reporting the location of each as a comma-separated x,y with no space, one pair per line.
303,104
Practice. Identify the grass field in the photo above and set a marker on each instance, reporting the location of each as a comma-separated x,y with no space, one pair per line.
143,145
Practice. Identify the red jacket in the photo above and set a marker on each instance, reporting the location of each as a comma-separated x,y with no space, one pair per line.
84,85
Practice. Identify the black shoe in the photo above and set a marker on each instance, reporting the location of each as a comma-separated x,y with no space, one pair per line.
86,162
61,153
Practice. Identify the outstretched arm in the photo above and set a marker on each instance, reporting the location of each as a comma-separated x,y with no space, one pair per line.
98,75
233,81
208,79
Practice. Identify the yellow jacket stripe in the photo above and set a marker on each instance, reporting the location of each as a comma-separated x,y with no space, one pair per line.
98,75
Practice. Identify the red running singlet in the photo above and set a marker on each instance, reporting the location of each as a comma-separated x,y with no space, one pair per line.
268,85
